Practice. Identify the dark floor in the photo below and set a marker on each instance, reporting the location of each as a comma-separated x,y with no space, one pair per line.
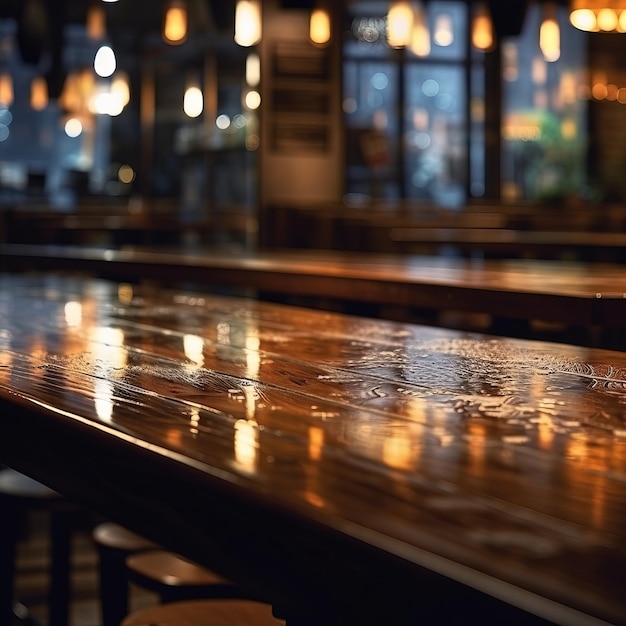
31,584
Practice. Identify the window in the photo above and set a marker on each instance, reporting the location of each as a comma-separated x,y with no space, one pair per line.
406,115
416,124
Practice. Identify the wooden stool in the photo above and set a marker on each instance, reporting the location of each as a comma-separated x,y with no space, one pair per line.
127,557
114,544
20,494
205,613
175,578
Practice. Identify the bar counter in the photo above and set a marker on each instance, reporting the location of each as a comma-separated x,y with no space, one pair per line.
346,470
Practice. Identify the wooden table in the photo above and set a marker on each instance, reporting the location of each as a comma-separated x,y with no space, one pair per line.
572,294
347,470
544,244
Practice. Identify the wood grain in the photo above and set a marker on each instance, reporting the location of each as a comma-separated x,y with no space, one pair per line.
331,464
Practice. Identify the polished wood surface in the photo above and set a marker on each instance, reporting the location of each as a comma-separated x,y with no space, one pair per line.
352,470
574,294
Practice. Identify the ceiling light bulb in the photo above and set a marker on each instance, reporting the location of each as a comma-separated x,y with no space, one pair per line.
175,23
607,19
104,64
38,93
482,28
319,27
247,22
399,24
550,34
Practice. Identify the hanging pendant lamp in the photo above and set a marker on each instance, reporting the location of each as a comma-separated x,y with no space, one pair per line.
319,26
175,23
483,37
399,24
38,93
550,33
247,22
420,34
6,89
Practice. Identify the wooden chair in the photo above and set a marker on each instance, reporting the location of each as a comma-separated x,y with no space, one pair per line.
205,613
20,495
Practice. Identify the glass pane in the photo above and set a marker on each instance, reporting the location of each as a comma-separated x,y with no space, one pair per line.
477,156
436,133
406,114
370,102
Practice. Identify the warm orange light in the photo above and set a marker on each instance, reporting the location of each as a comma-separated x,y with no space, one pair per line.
607,19
6,89
399,24
319,27
550,34
120,88
420,35
253,70
482,28
247,22
583,19
316,443
71,98
78,90
246,445
569,128
598,15
568,87
599,89
96,22
38,93
175,23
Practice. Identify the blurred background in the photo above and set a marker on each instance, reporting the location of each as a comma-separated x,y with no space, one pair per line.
200,122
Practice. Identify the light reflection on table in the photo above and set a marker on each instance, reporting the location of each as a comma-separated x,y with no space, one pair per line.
357,446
